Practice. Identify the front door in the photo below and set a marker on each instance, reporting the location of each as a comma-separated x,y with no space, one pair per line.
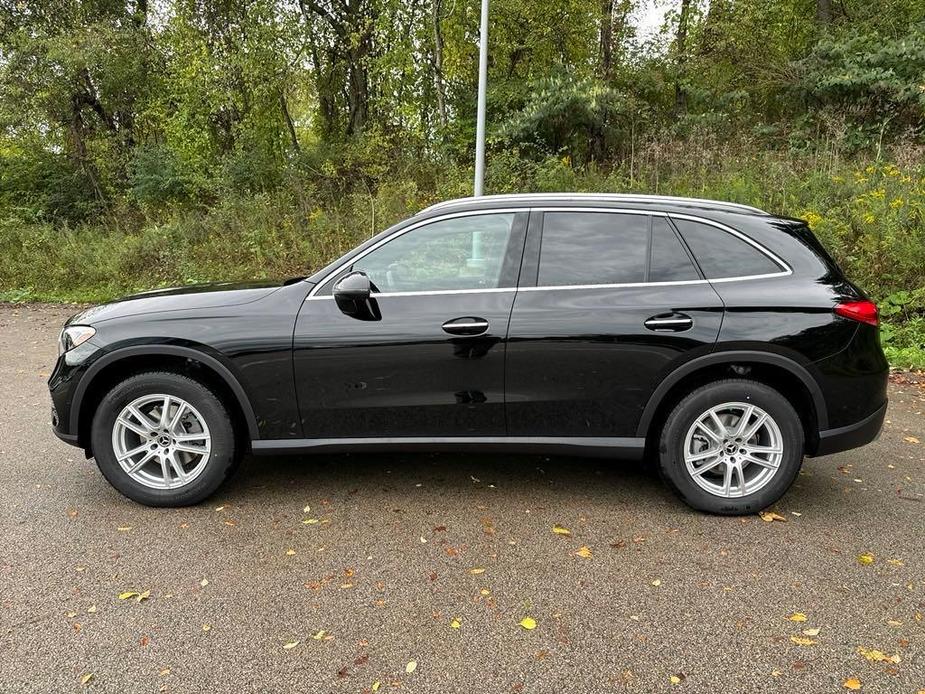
609,303
430,361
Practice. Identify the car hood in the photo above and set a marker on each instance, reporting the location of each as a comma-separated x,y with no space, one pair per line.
212,295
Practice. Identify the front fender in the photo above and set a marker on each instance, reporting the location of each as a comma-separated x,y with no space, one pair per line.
199,355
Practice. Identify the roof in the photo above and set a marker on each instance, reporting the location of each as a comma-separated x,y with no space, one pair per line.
623,198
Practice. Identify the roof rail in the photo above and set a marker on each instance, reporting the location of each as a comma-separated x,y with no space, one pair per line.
596,197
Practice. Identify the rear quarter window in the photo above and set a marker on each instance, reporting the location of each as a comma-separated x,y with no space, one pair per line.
723,255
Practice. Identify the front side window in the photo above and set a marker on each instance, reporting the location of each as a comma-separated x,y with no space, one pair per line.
452,254
720,254
593,248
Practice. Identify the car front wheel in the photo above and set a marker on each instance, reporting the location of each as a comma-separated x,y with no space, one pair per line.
731,447
164,439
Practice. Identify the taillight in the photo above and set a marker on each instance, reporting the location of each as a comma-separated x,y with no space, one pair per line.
861,311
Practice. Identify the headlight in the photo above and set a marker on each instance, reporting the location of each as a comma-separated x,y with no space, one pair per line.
73,336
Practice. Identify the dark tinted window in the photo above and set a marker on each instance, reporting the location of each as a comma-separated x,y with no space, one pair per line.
593,248
670,262
721,254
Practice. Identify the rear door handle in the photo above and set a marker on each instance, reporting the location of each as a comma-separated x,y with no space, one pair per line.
466,326
670,322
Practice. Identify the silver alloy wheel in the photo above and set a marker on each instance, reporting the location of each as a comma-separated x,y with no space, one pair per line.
733,449
161,441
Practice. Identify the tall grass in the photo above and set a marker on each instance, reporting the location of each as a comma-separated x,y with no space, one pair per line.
870,215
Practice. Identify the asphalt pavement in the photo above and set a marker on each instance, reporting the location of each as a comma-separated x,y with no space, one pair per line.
420,573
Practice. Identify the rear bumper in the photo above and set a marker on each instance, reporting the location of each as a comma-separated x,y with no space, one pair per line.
851,436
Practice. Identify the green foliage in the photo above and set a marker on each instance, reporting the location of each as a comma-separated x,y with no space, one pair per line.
877,80
144,144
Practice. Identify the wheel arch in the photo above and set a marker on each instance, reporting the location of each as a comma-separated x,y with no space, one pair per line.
783,374
115,366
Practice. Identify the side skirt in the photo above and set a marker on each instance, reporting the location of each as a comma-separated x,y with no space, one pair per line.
591,446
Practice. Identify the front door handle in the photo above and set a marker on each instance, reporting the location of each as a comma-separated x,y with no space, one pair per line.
466,326
670,322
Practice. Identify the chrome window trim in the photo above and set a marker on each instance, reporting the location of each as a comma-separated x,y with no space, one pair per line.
435,292
313,296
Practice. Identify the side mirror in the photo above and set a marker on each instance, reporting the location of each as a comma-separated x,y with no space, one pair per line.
352,293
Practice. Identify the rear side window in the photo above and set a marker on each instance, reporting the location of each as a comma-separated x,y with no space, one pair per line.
720,254
670,262
593,248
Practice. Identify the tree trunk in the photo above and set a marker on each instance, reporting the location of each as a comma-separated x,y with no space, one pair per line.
606,47
357,87
824,11
290,126
439,85
680,93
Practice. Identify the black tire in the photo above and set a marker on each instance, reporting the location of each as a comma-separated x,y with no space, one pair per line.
223,457
671,445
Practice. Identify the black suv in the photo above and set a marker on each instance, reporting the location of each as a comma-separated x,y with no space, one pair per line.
720,340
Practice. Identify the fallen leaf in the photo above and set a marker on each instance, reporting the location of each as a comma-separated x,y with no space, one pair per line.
128,594
584,551
801,641
678,678
866,558
376,686
812,632
310,521
852,683
797,617
289,645
219,508
306,509
657,582
476,571
894,562
91,609
204,582
318,635
85,680
528,623
910,439
164,672
770,517
207,627
124,528
876,656
290,552
411,666
455,623
560,530
143,596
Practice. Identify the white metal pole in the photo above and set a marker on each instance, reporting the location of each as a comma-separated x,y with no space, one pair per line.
480,112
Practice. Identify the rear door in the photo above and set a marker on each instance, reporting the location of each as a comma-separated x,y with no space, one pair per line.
609,303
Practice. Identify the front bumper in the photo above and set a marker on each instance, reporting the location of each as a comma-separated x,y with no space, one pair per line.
62,384
851,436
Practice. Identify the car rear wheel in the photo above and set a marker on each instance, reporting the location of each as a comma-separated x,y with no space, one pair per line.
731,447
164,439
